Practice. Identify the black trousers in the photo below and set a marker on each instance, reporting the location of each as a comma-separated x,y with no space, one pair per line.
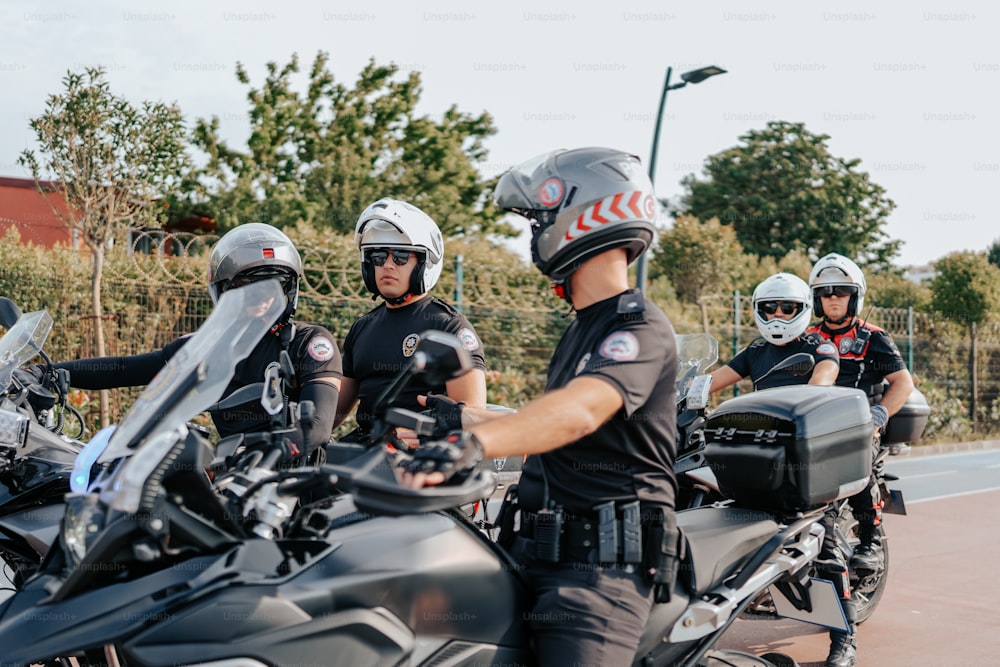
584,615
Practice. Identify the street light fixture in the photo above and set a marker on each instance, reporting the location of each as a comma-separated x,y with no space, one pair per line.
693,76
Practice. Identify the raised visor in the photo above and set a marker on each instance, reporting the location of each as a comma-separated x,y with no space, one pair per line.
791,449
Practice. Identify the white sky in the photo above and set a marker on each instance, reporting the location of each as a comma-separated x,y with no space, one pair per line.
909,88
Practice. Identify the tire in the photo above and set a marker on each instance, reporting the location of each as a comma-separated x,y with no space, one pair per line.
867,588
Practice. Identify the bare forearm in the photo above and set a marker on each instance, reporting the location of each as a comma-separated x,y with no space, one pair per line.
557,418
900,387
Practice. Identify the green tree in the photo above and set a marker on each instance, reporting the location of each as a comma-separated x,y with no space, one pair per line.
993,253
323,155
699,258
966,290
110,161
781,189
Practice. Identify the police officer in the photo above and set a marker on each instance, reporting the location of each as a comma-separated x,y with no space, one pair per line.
782,309
402,253
246,254
868,356
601,444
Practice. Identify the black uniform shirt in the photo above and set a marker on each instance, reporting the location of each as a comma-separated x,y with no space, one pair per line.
631,456
760,356
381,342
314,355
867,354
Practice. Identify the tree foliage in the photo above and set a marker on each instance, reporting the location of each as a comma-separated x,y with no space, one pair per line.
781,189
111,162
966,288
699,258
322,155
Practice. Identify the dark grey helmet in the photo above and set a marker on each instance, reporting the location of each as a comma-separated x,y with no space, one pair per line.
581,203
255,251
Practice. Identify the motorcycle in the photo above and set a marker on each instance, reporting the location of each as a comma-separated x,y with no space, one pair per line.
36,460
697,484
157,564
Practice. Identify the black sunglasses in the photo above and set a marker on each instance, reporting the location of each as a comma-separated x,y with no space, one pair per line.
787,307
399,257
837,290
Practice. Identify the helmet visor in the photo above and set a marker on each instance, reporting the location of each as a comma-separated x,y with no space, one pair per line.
531,186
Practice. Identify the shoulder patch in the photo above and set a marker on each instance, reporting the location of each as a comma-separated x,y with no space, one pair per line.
321,348
620,346
469,339
410,344
826,348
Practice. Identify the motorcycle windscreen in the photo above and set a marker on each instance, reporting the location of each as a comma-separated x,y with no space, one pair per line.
823,605
196,376
22,342
695,354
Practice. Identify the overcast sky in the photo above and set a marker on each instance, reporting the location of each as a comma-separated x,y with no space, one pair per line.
911,89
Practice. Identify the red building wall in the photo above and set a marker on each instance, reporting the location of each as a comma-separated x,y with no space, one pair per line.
24,207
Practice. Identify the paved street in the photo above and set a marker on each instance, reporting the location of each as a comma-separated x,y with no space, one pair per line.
941,607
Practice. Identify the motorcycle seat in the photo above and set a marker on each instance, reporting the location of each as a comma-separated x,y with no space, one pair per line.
718,540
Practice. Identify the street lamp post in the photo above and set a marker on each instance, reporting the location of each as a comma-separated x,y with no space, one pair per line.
694,76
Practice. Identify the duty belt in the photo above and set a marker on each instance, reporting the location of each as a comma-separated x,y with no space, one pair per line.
605,538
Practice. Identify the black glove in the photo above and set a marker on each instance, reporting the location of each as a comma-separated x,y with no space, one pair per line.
447,412
30,374
456,455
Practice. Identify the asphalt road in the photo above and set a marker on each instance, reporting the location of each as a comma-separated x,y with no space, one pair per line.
942,604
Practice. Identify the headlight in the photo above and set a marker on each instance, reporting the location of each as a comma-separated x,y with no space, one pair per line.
13,428
83,520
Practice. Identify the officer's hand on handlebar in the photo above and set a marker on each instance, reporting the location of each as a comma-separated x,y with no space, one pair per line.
30,374
438,461
447,412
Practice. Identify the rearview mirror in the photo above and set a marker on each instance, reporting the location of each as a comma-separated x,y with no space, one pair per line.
9,312
440,357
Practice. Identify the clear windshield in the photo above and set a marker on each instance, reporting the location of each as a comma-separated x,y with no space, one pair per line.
695,354
240,319
22,342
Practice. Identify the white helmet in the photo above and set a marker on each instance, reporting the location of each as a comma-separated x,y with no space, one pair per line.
786,288
833,270
392,223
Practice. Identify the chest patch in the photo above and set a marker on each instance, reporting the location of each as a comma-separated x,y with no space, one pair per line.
468,339
826,348
846,344
320,348
620,346
584,360
410,344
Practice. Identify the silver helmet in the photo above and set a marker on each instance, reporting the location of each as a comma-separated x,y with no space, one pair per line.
255,251
581,203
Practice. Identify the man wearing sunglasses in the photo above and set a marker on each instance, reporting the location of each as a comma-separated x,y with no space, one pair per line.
868,360
402,254
782,310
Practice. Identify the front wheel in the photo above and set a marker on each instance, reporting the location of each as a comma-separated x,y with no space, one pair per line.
867,587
